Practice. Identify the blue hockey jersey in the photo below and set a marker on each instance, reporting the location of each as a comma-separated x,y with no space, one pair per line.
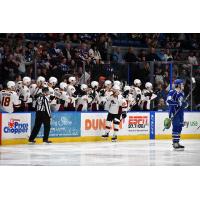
175,101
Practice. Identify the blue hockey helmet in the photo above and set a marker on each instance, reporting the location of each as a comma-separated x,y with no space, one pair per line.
178,81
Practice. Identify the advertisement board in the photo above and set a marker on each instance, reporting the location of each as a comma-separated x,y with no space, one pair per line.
63,124
15,125
191,123
136,123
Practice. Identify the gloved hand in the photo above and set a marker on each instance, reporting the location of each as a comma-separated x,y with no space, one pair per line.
183,104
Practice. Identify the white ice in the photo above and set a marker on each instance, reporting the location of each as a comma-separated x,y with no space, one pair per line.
129,153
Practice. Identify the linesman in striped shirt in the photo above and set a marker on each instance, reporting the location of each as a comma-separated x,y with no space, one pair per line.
43,116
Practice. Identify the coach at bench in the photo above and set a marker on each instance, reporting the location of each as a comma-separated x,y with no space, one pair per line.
43,116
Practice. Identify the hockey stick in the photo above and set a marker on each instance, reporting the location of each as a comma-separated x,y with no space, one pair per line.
190,93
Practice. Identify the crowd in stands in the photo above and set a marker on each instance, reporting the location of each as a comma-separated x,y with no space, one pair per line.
97,57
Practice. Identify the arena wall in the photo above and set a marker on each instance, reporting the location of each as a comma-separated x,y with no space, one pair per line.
15,128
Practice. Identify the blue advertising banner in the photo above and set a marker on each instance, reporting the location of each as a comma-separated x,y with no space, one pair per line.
63,124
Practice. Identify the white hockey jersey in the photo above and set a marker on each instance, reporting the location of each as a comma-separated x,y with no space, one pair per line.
24,93
116,104
146,98
9,99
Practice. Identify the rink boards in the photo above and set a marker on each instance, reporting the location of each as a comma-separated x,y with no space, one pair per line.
15,128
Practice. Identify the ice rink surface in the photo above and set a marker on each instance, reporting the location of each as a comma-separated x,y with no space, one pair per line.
129,153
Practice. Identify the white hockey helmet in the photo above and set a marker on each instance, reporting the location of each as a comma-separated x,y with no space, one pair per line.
26,80
53,81
40,80
11,85
108,83
84,87
148,85
71,88
94,84
63,85
117,83
116,88
72,79
137,82
127,88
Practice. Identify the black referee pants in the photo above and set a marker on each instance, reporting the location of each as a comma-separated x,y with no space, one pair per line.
41,118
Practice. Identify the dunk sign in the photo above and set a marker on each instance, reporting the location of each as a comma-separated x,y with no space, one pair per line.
93,124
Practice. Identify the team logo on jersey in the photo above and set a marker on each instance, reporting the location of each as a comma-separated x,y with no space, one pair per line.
16,127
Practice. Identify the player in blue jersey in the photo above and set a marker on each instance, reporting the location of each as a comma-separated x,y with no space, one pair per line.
176,103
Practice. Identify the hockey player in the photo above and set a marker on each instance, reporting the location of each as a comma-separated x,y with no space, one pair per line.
116,107
136,95
176,103
60,97
24,94
128,96
9,100
70,104
83,99
51,85
104,93
147,97
94,95
32,88
72,80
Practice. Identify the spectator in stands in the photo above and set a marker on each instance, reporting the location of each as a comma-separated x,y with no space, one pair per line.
159,75
63,66
94,55
130,56
117,56
67,52
103,45
168,55
161,106
161,54
160,90
192,59
18,78
142,55
152,56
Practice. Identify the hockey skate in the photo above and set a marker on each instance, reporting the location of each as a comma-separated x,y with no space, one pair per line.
114,138
177,146
105,135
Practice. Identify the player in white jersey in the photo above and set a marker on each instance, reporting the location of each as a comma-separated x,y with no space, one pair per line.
128,96
61,97
9,100
117,108
72,80
104,93
137,93
83,98
51,85
70,104
24,93
94,95
147,96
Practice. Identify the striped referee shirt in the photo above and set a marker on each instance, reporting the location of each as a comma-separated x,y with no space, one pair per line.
42,104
